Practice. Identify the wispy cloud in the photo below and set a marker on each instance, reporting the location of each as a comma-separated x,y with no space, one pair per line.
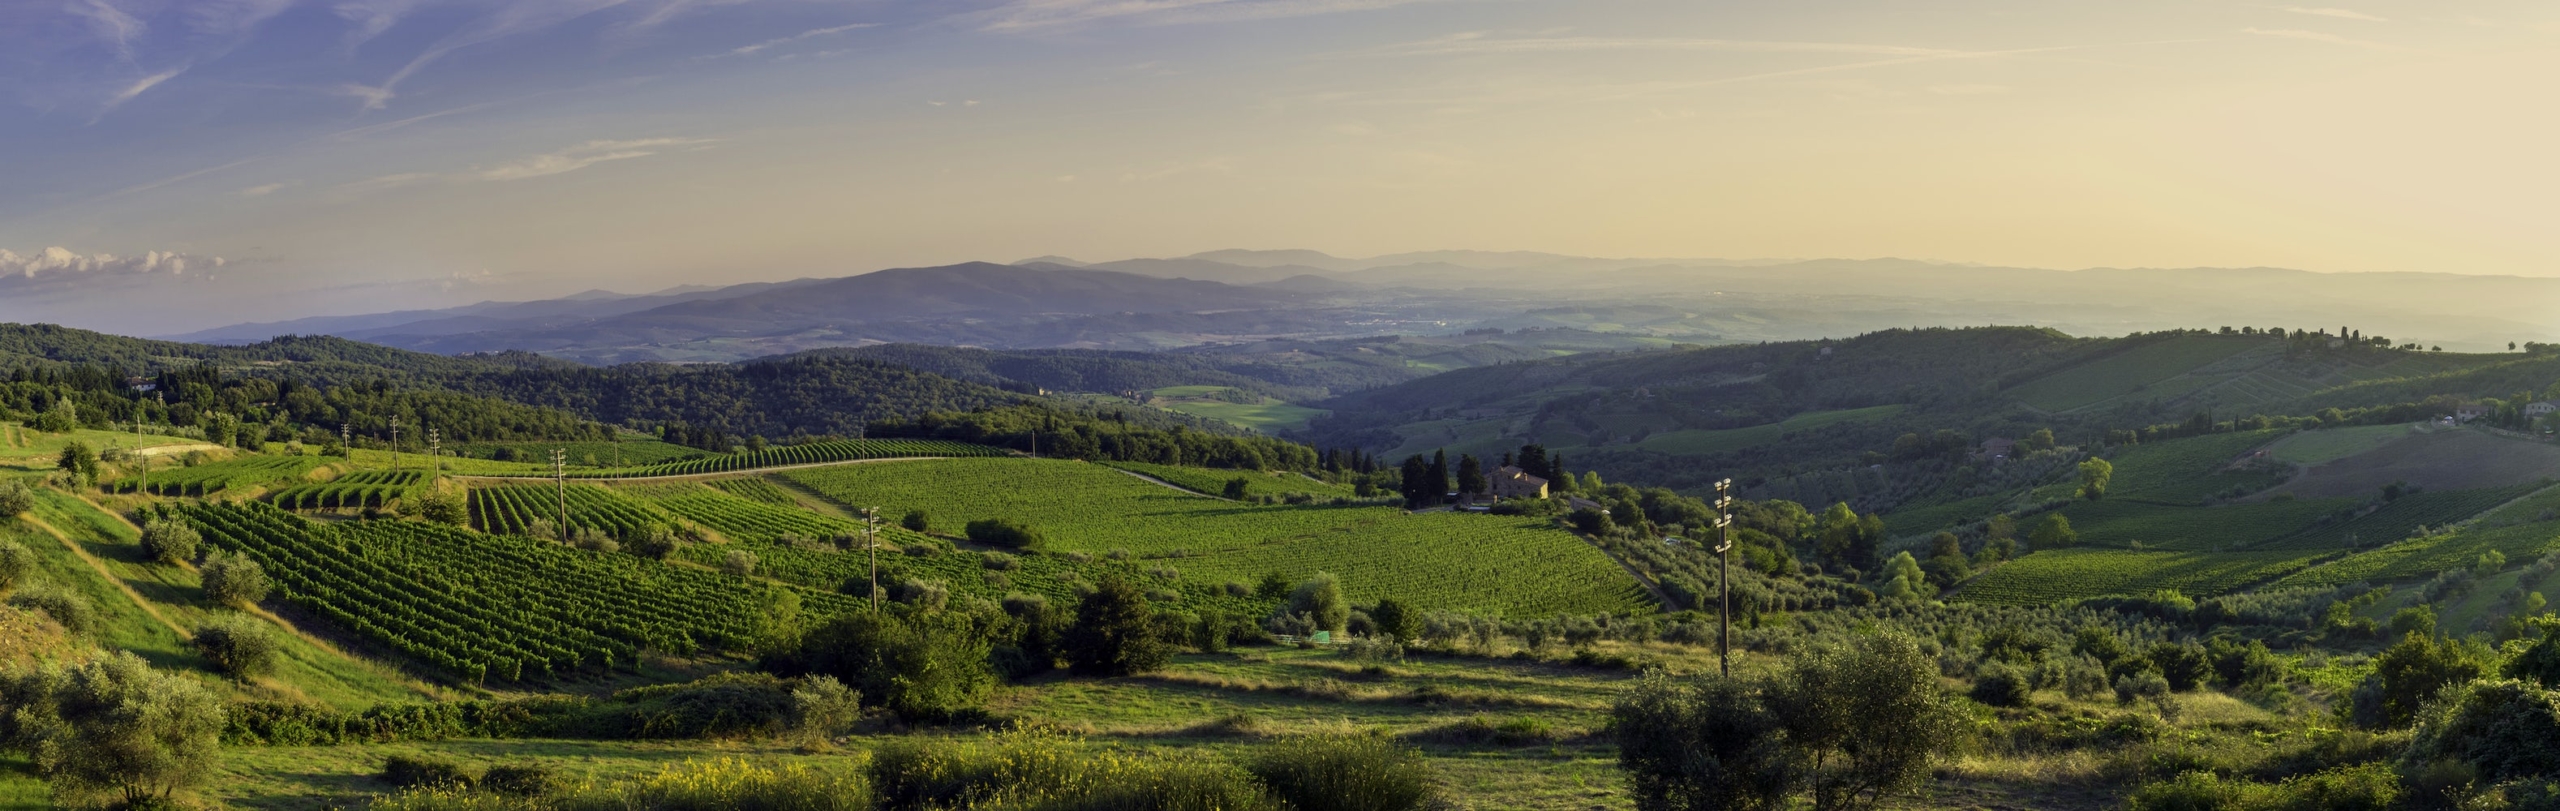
751,50
263,189
1969,89
388,181
582,156
2340,13
140,86
1477,43
1033,15
509,20
109,24
2319,36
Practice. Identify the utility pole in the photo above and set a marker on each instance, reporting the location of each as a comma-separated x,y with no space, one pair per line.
617,446
871,537
347,440
560,482
395,444
435,454
1724,577
1035,443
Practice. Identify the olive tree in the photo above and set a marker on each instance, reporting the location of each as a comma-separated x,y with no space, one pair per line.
1320,598
16,498
111,729
17,567
1848,726
238,645
168,541
234,579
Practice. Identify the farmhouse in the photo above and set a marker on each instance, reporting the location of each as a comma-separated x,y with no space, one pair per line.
1997,449
1512,482
2536,409
2467,413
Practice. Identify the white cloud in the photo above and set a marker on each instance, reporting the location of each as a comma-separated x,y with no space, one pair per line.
389,181
2317,36
109,24
58,269
263,189
582,156
1032,15
2340,13
751,50
1477,43
137,88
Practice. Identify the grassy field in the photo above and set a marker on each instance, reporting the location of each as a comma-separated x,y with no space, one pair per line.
2127,372
1269,415
1703,441
1214,482
1492,564
140,602
2316,447
28,449
633,451
2072,573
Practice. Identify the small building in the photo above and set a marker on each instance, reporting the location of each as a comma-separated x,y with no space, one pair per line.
1580,503
2467,413
1997,449
2536,409
1512,482
141,384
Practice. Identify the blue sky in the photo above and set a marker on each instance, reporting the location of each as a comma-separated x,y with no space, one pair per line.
182,164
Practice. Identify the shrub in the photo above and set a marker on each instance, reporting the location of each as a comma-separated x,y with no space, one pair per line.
1030,770
68,609
1343,773
728,784
739,562
2503,729
1115,633
1372,650
1393,620
233,579
1320,599
17,566
424,771
923,665
917,521
447,508
1003,532
238,644
521,780
169,541
2147,684
2409,674
16,498
999,561
112,729
2002,686
652,541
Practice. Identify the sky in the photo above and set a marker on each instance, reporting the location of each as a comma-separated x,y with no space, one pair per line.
176,164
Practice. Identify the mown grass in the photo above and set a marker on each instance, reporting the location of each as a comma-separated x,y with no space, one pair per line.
30,449
1703,441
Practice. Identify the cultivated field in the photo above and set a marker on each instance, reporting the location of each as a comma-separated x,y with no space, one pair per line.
2435,460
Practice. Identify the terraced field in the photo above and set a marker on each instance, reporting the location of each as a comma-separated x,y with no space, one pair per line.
215,477
1493,564
369,489
2064,574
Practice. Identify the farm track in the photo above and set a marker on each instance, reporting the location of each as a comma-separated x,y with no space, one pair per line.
678,476
1162,483
99,567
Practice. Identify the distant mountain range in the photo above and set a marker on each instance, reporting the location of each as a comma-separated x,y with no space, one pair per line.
1233,296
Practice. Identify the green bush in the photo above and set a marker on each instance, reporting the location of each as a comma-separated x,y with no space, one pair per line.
2002,686
239,645
725,784
1343,773
112,730
17,566
924,665
1320,599
69,610
1031,770
16,498
1115,633
2503,729
424,771
1004,532
233,579
169,541
522,780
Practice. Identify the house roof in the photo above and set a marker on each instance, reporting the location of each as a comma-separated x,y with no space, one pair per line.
1512,472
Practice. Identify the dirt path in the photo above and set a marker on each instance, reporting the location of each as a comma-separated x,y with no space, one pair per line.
743,472
1658,594
100,567
1175,487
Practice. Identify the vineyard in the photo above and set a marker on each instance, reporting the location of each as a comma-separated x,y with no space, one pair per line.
215,477
741,518
1214,482
842,450
372,489
2186,471
1491,564
756,488
2065,574
488,608
511,509
1059,578
634,452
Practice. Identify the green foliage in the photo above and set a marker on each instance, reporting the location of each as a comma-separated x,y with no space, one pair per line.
2095,473
511,509
2502,729
1856,723
371,489
924,665
1005,533
239,645
1115,633
2369,787
2409,674
916,521
1903,579
841,450
1320,599
67,608
17,567
1043,771
424,771
16,498
529,610
1343,773
2540,662
111,729
1394,621
2054,532
216,477
168,541
727,784
2002,686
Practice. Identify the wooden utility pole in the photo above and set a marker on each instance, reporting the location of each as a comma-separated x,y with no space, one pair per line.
560,482
871,539
395,444
435,454
1724,577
